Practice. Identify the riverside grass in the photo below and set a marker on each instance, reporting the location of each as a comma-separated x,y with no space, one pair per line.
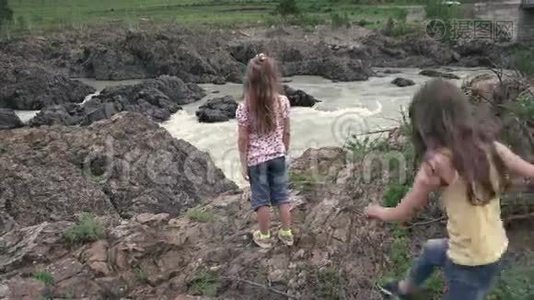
44,15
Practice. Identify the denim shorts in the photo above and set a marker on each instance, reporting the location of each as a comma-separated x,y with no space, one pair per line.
269,183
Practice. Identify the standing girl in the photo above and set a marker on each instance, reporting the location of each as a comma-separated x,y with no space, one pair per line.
468,165
263,143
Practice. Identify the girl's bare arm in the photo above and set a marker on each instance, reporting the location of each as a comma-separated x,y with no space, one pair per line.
514,162
242,144
287,133
426,181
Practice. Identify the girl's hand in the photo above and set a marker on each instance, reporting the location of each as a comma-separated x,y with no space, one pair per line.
375,211
244,173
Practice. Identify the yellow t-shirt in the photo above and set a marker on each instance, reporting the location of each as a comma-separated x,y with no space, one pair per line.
476,233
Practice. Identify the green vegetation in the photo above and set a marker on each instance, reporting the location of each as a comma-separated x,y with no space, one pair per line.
36,16
6,14
394,194
328,284
302,182
516,282
287,7
88,229
140,275
523,59
205,283
401,260
201,215
44,277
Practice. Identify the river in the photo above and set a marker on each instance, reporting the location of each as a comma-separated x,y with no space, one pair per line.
347,108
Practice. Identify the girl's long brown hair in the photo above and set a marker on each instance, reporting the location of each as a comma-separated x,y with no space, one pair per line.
442,117
262,85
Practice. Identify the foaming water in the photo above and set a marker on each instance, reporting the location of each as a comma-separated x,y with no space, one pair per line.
347,108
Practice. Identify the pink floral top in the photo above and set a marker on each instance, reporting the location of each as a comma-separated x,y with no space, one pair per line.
262,148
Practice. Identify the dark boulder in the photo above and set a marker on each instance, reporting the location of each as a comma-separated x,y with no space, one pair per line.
217,110
8,119
157,98
402,82
123,165
299,97
28,86
434,73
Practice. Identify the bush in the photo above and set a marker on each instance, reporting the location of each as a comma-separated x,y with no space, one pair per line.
394,194
523,60
44,277
339,20
287,7
6,14
88,229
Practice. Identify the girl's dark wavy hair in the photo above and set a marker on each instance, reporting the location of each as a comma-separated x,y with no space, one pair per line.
442,117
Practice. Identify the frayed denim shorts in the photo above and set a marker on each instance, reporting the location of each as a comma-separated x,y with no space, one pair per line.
269,183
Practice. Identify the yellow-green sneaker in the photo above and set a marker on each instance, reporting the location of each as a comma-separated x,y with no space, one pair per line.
263,241
286,236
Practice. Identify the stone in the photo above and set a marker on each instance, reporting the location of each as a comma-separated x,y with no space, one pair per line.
28,86
402,82
123,166
217,110
9,120
299,97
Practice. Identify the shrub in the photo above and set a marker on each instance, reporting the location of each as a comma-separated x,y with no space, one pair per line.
44,277
339,20
287,7
88,229
523,60
394,194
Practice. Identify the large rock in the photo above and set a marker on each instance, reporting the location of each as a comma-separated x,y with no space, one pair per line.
160,257
157,98
299,97
125,165
28,86
217,110
9,120
298,57
402,82
193,58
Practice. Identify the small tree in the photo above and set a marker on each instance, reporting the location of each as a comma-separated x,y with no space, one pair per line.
6,14
287,7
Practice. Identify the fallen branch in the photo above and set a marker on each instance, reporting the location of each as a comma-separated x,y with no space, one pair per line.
263,286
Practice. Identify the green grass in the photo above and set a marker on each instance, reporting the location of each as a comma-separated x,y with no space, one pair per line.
201,215
516,281
140,275
39,15
88,229
328,284
44,277
394,194
523,59
302,182
205,283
